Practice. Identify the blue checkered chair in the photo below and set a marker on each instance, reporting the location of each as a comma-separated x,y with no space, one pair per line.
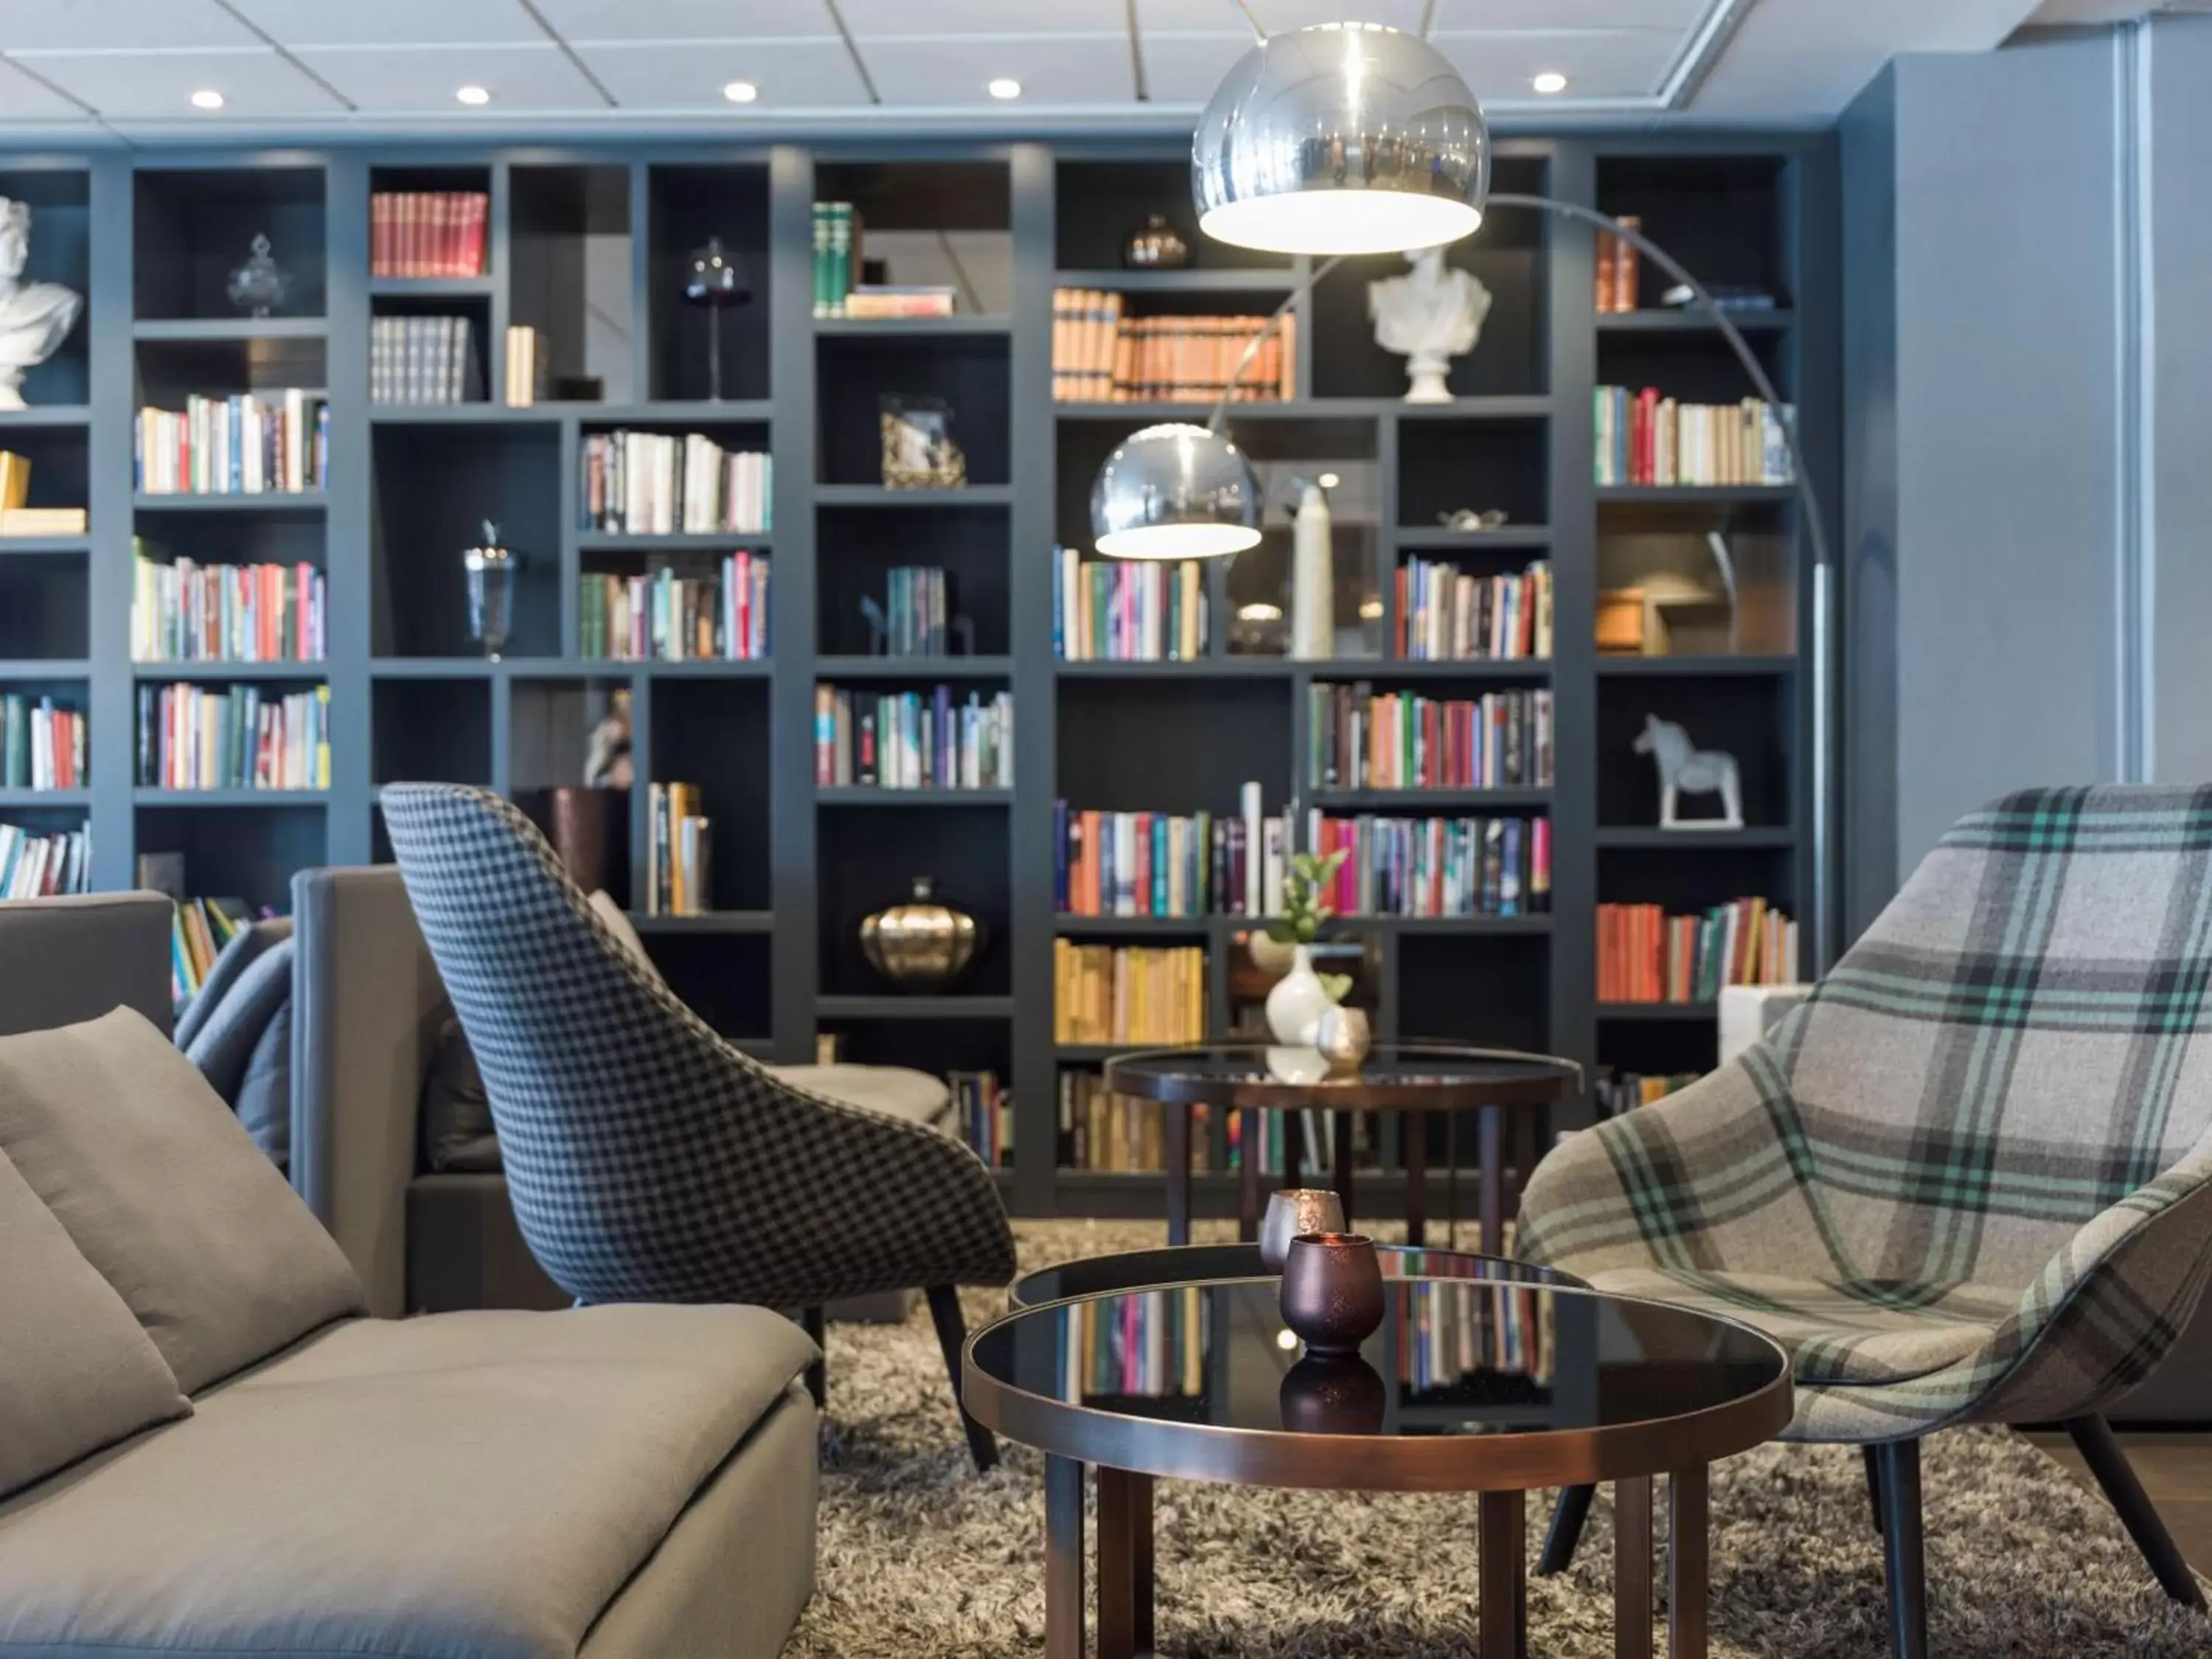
1970,1179
648,1160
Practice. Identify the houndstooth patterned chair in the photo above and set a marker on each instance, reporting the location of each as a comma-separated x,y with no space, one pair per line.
647,1159
1967,1181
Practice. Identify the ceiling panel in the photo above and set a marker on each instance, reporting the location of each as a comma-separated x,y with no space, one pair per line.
387,80
686,20
23,99
390,23
1474,16
1222,16
138,25
1058,69
866,18
790,74
1184,69
159,85
1622,64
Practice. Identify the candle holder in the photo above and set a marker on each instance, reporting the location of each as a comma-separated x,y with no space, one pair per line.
1331,1292
1293,1211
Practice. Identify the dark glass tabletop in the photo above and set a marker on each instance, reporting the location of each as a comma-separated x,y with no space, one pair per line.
1188,1264
1395,1077
1469,1385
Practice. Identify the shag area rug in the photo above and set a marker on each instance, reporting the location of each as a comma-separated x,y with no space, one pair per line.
922,1559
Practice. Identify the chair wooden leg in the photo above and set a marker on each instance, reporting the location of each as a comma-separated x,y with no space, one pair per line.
818,1374
1566,1532
952,1337
1874,1482
2092,1438
1900,1464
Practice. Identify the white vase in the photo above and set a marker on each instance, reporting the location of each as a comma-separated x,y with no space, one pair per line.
1312,578
1297,1002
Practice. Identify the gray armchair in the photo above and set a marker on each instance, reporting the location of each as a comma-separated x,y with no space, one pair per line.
646,1158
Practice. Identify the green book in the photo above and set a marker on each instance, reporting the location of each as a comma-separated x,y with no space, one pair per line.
821,228
840,256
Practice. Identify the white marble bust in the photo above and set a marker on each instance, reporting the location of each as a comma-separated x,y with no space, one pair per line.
35,318
1429,316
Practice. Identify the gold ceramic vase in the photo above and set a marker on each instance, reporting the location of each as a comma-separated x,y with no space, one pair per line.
921,945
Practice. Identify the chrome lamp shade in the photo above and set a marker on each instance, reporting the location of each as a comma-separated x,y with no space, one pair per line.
1174,491
1341,139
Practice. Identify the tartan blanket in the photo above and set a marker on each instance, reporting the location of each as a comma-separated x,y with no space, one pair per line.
1967,1179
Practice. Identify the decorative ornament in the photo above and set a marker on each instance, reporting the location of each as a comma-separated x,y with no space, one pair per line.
35,318
716,280
260,285
1313,575
1685,769
490,570
923,944
1155,245
1428,316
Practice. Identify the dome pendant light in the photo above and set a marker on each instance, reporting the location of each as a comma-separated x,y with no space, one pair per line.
1176,491
1340,138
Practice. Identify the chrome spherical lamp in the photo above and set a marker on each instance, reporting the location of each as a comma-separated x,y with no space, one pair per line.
1174,491
1340,138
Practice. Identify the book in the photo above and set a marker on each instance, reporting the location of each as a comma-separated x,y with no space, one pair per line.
1360,739
836,236
423,360
878,300
253,444
659,484
1619,270
913,739
1101,1130
198,929
526,372
679,870
42,521
184,611
721,613
1619,1091
918,611
1145,864
239,736
1111,610
1645,439
1444,614
35,864
433,233
42,743
985,1113
1117,994
1645,955
1466,867
1100,354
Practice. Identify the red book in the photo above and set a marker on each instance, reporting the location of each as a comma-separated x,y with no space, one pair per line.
479,205
379,228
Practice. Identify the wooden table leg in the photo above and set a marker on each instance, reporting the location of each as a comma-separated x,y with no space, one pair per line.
1632,1568
1502,1571
1125,1564
1251,1126
1492,1202
1413,1134
1063,1559
1341,1159
1178,1153
1687,1568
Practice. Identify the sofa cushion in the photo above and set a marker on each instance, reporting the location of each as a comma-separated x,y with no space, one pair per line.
457,1134
264,1102
895,1090
167,1195
76,1371
472,1486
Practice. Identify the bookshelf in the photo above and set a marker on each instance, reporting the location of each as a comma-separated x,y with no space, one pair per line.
585,244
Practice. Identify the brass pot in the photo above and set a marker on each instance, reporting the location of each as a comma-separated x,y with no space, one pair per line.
921,945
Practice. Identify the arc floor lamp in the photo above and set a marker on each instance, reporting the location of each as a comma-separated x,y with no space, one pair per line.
1350,138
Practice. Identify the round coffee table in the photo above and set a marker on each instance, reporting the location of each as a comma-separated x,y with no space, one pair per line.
1410,1079
1190,1264
1470,1386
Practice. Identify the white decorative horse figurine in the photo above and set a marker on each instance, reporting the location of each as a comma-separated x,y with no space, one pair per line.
1683,767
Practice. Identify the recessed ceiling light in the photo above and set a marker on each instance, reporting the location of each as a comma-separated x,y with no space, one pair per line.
1549,82
472,95
207,98
1006,88
741,91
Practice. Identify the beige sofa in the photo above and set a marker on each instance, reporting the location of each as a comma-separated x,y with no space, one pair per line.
205,1448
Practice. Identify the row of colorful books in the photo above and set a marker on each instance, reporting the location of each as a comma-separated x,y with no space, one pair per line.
1437,866
1644,955
661,483
197,737
1619,1091
1127,992
679,877
1445,615
253,444
1149,1345
1448,1332
426,233
985,1113
42,743
1109,610
913,740
662,616
423,360
1104,1131
184,611
1162,864
1100,354
918,611
38,865
1361,738
198,929
1645,439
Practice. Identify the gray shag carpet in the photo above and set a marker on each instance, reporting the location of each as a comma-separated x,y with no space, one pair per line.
922,1559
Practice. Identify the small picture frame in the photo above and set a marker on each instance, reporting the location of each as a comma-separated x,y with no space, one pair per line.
920,452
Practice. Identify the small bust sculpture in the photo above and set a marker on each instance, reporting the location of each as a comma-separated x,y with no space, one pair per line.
1431,314
35,318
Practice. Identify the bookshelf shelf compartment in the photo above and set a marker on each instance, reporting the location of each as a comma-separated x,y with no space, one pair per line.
195,226
684,205
297,502
230,329
144,795
38,415
246,671
36,547
14,799
432,491
432,288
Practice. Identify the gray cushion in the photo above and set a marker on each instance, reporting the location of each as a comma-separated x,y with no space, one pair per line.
222,1042
471,1485
264,1104
246,948
76,1372
897,1090
458,1136
167,1195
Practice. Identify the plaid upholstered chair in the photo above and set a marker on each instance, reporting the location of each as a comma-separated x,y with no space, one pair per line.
647,1160
1966,1183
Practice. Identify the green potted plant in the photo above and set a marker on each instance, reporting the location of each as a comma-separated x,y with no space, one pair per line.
1302,996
